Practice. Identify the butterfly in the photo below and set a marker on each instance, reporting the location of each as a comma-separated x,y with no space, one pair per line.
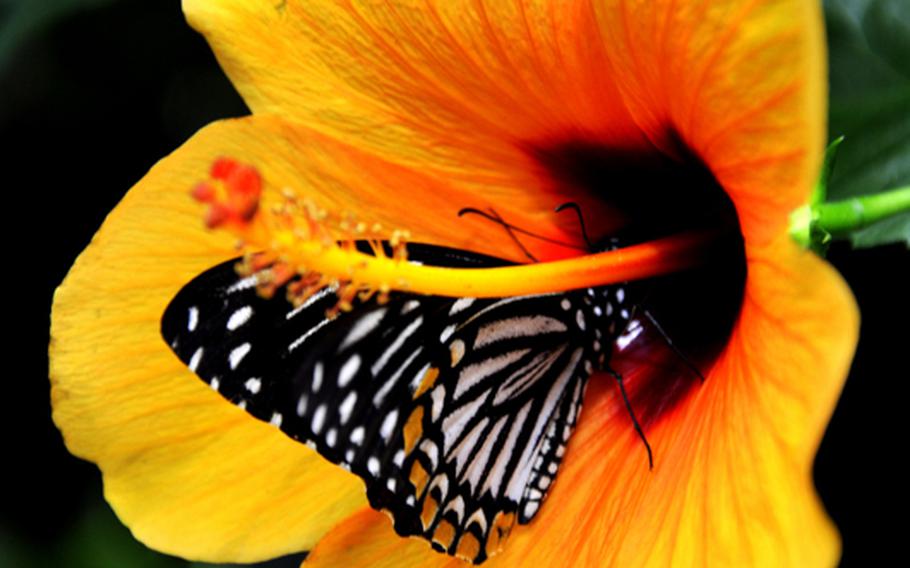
455,412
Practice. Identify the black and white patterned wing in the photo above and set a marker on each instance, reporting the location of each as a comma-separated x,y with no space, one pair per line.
455,412
481,446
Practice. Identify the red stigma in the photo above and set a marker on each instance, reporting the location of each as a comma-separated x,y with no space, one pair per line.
233,192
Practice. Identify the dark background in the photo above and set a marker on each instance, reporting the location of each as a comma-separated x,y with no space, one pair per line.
91,97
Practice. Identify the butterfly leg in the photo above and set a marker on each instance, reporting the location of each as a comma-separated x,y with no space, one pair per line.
625,398
674,347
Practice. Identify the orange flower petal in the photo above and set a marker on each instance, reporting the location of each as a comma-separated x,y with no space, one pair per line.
463,88
742,83
732,480
456,88
189,473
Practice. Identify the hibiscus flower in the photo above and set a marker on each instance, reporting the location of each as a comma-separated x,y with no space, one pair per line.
402,113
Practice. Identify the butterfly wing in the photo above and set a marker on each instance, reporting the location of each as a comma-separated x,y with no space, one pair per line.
489,424
455,412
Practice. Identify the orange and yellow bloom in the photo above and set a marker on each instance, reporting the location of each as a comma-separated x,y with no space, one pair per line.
402,113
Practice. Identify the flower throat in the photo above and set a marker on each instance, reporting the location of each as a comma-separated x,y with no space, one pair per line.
645,196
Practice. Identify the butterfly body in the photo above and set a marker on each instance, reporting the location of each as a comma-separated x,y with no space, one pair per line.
455,412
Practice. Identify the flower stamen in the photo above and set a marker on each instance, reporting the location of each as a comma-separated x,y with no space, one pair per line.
298,238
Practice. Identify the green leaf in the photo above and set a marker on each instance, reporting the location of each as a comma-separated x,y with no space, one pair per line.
869,54
887,231
820,193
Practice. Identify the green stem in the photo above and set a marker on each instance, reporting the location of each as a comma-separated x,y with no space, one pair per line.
814,225
849,215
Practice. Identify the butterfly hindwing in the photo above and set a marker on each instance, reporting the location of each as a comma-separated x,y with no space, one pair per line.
490,417
455,412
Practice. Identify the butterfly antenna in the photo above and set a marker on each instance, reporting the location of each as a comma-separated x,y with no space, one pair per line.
581,220
498,218
673,346
625,398
513,228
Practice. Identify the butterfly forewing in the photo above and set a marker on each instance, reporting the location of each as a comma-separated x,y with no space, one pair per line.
455,412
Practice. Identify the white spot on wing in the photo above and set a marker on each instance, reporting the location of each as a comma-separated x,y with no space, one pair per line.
526,326
388,425
418,378
195,359
519,478
357,435
439,395
457,505
494,479
479,463
237,354
348,370
276,419
318,419
363,327
474,374
454,423
192,319
480,519
447,333
395,346
299,341
239,317
253,385
633,330
431,451
466,447
244,284
527,375
380,395
344,411
460,305
317,376
310,301
456,351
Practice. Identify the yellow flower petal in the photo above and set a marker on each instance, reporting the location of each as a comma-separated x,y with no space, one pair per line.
732,481
189,473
